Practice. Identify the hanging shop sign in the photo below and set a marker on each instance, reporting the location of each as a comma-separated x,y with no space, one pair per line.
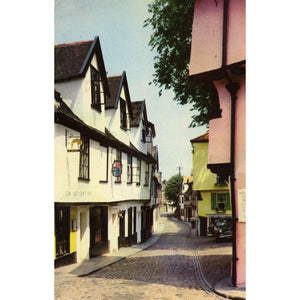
73,143
116,168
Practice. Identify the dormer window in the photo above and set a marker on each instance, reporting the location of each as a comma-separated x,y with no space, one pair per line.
97,89
123,114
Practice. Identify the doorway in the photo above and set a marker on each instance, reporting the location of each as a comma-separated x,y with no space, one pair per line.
83,236
121,239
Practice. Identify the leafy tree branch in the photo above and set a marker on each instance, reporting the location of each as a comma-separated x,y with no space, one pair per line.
171,22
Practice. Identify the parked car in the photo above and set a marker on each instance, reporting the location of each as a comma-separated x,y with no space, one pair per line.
223,228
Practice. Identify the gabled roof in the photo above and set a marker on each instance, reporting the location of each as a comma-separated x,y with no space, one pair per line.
201,139
138,108
115,85
72,60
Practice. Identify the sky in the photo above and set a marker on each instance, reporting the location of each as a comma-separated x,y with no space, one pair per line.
124,44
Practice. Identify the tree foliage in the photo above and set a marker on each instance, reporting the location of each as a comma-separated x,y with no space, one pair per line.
173,188
171,22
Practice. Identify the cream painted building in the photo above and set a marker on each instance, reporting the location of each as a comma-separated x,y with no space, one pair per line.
102,172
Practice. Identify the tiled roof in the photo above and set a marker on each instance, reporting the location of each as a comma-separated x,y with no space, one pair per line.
201,138
136,111
114,85
70,58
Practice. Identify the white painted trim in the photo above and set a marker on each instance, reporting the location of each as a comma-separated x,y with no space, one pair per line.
87,237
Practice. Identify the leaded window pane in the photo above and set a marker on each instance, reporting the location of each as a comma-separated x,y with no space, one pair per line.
84,159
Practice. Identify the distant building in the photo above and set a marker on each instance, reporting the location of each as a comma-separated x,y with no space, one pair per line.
210,190
187,200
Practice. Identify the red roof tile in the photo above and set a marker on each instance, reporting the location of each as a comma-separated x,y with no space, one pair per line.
201,138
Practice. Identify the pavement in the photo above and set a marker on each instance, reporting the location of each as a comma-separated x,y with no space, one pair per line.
65,273
225,288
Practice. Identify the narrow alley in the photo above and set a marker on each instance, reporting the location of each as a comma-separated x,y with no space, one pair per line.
177,266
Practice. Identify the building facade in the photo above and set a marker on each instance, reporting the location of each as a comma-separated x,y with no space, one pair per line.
218,57
210,190
102,180
187,201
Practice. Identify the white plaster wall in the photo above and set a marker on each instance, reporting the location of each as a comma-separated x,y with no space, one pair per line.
77,95
139,225
69,189
113,229
155,219
66,165
113,122
67,186
136,138
123,191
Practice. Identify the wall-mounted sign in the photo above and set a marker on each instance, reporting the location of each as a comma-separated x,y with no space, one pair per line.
242,204
116,168
73,143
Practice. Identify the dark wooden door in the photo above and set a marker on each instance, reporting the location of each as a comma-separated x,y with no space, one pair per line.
203,226
98,230
130,226
121,241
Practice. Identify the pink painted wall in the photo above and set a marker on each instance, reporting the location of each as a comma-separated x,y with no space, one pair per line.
219,129
219,152
240,175
206,49
206,56
236,35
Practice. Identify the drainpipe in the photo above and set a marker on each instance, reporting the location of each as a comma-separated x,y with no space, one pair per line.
232,88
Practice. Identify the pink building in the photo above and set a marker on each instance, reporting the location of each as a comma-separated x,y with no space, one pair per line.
218,57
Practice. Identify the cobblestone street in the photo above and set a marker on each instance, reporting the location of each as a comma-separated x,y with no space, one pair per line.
176,267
